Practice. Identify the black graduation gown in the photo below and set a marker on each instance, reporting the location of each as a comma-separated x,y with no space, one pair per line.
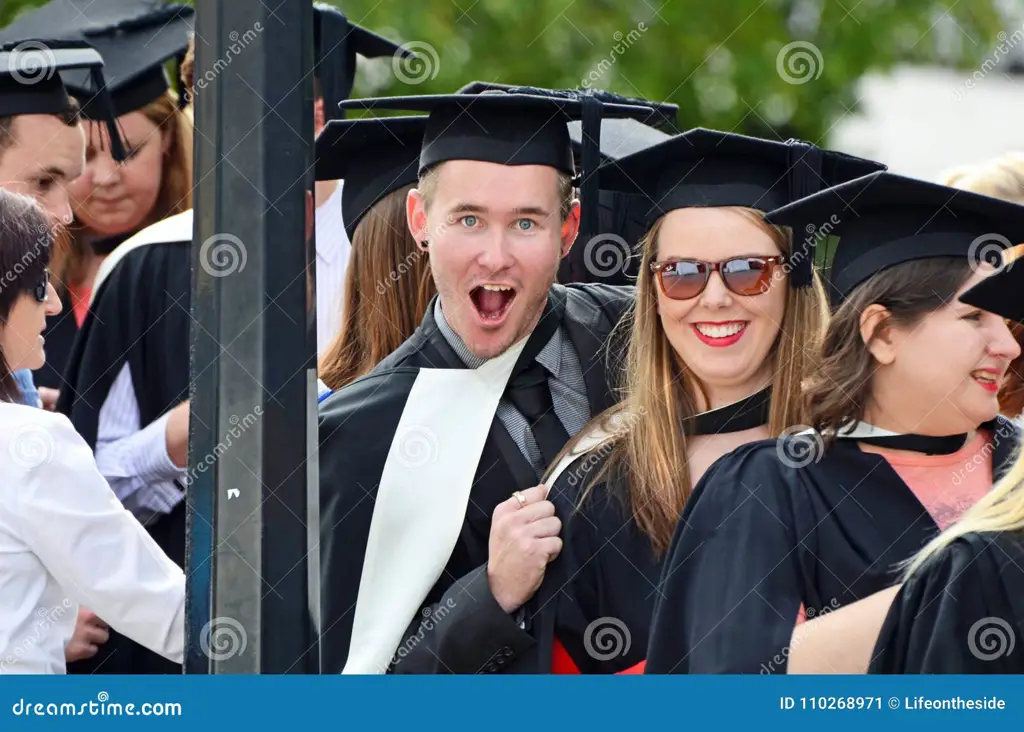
760,536
139,316
357,425
606,575
962,613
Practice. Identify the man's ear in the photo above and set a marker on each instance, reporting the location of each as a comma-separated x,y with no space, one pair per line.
877,336
319,117
570,227
416,217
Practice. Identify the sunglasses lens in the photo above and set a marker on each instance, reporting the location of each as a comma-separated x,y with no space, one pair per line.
747,276
684,281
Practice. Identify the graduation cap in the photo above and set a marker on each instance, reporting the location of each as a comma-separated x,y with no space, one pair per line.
707,168
519,126
1001,293
134,37
337,42
373,156
31,80
883,219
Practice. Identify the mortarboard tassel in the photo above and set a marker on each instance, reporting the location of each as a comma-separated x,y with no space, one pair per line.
804,179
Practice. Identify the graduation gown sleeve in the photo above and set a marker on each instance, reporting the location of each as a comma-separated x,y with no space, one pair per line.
962,613
730,589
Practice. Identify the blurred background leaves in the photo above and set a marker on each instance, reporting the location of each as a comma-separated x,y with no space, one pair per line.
768,67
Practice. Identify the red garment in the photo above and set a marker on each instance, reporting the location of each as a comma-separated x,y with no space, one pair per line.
79,297
562,663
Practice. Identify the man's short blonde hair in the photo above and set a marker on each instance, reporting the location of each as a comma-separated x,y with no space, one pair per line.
566,192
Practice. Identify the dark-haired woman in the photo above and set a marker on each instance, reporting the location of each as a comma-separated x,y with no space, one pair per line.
906,435
65,538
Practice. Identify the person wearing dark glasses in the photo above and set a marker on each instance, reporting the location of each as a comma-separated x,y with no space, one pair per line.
64,536
904,436
728,316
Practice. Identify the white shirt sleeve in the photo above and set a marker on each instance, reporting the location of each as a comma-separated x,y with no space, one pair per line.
135,461
99,553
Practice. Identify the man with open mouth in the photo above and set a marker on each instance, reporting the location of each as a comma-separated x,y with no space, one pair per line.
454,428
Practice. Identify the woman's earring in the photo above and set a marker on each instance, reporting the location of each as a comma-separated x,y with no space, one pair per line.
424,244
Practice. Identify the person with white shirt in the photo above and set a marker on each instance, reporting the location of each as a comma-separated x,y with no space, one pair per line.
65,539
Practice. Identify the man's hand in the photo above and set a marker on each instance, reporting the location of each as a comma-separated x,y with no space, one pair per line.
49,397
90,634
524,539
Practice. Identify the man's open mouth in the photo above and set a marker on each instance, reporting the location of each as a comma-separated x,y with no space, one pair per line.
492,302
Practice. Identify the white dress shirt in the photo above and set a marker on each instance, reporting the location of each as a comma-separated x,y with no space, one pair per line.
66,540
333,250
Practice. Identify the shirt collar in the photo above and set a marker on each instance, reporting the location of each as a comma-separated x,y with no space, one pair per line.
550,356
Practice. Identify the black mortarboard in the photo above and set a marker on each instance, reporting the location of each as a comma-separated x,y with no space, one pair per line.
707,168
373,156
337,42
31,79
521,126
882,220
1001,293
134,37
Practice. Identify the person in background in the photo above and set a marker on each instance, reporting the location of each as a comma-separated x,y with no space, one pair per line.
960,608
42,148
128,392
65,538
1001,177
112,200
388,283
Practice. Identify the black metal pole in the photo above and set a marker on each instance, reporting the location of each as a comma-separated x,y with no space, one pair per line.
253,343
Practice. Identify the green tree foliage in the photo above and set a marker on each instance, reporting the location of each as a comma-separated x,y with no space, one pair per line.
790,66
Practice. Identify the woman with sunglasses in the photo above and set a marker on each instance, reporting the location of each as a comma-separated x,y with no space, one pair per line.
727,318
906,435
65,539
960,609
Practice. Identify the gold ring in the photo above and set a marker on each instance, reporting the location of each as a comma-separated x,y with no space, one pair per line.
520,497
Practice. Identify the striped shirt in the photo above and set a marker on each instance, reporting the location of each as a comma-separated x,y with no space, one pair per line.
565,380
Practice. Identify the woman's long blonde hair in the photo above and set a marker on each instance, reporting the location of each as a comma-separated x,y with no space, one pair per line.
174,196
387,288
658,391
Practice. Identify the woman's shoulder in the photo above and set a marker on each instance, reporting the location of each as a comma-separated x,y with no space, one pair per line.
31,437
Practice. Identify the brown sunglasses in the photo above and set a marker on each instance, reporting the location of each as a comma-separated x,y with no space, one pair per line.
684,279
